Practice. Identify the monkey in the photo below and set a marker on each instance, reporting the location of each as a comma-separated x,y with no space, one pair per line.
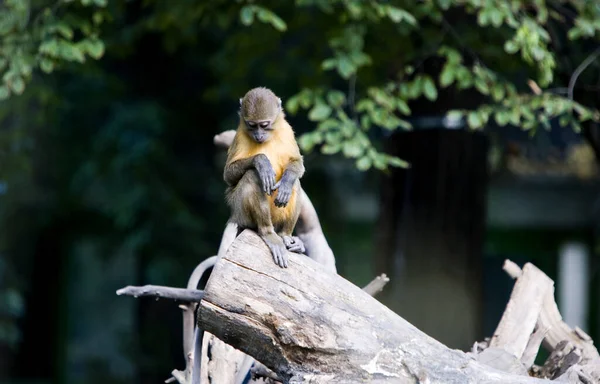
262,173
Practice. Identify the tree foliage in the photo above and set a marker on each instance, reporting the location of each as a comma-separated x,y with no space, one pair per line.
364,58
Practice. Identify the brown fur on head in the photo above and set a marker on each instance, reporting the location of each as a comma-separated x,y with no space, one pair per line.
260,104
259,109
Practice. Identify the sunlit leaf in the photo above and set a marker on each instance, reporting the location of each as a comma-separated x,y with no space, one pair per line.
429,89
247,15
364,163
319,112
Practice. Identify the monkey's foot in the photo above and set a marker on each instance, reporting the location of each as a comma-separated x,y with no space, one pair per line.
278,250
293,244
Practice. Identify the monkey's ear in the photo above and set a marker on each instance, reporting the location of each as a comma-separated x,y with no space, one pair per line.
240,101
279,100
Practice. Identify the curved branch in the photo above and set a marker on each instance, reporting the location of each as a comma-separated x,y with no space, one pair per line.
579,70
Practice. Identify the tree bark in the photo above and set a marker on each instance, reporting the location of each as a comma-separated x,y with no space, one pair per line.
310,325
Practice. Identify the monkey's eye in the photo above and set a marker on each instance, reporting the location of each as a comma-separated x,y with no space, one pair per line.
251,124
264,124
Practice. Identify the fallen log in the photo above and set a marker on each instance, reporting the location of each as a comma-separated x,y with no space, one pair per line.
310,325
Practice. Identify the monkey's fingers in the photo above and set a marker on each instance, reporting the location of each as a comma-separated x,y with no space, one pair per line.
270,183
283,197
280,257
266,184
297,248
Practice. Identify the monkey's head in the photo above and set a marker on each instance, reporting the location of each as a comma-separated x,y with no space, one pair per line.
259,108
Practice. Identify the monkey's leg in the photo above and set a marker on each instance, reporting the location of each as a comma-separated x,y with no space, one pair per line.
292,243
251,209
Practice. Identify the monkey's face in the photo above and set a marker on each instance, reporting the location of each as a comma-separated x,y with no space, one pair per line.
259,109
260,131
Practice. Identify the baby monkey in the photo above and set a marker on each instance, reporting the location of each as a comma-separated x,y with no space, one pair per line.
263,172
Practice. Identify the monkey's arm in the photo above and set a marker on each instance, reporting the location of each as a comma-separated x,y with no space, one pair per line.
285,186
235,170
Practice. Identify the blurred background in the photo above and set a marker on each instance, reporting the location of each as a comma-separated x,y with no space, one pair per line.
109,175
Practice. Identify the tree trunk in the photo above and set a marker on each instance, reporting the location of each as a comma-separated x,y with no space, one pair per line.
431,232
308,324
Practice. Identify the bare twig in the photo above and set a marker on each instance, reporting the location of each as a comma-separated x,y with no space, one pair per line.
376,285
161,292
589,60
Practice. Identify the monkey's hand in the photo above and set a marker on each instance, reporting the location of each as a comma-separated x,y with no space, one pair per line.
284,192
294,244
265,173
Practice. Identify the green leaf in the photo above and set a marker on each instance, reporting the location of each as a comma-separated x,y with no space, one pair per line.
278,23
481,86
97,18
292,105
497,92
329,64
101,3
502,117
329,149
364,163
365,121
404,124
455,115
352,149
345,67
319,112
511,47
17,85
515,116
308,141
429,89
64,30
247,15
397,15
397,162
46,65
447,76
328,124
95,48
496,17
336,98
4,92
474,120
403,107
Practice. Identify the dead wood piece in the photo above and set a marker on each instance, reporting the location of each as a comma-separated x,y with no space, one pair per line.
224,139
259,371
533,347
502,360
522,311
221,363
551,319
376,285
305,323
560,360
160,292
